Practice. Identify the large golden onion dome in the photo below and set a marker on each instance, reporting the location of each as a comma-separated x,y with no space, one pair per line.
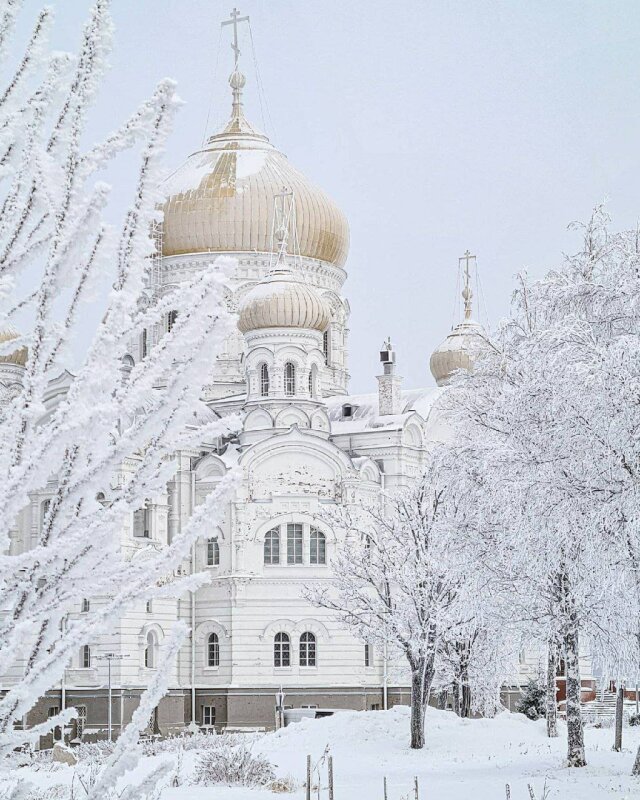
19,357
221,199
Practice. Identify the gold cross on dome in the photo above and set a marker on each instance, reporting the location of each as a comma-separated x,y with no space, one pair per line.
235,20
467,293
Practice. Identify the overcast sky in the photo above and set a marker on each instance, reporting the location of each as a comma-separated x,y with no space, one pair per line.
436,126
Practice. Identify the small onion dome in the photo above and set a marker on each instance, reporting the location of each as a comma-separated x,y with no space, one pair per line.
20,355
281,301
458,351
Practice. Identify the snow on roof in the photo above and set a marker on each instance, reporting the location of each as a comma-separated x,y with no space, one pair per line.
365,412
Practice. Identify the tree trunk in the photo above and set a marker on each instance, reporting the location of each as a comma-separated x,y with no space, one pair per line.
421,680
619,713
636,764
551,703
575,733
455,692
465,710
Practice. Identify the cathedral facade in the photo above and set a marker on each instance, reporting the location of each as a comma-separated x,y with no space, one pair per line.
306,446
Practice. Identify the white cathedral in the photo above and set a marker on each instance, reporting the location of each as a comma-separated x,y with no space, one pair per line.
305,445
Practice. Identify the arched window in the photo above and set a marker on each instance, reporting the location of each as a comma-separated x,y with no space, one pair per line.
307,650
44,510
325,345
281,650
313,381
317,547
272,546
264,380
85,606
127,365
289,379
213,552
144,346
150,651
213,650
172,316
85,656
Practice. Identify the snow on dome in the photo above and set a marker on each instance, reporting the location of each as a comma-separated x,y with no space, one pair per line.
458,351
281,301
221,199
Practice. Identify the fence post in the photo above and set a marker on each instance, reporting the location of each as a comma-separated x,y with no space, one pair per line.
508,792
385,787
330,777
308,777
415,787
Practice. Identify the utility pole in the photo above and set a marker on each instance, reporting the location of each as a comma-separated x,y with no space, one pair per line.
109,657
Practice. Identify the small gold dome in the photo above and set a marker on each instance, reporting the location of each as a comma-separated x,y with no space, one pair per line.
280,301
458,351
20,355
221,199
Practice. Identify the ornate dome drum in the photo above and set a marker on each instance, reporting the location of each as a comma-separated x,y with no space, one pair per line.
221,199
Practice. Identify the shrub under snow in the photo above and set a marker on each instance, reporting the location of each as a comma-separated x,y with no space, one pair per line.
233,765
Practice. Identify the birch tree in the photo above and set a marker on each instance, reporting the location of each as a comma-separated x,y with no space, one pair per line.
118,426
399,574
551,419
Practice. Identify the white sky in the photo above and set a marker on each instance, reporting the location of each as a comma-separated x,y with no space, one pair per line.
436,126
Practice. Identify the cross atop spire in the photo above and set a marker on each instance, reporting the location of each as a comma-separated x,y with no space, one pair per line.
467,293
235,20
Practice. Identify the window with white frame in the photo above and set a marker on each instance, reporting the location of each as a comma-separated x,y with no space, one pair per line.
368,655
289,379
208,716
303,544
213,552
281,650
44,510
317,547
81,720
308,650
149,607
294,543
272,546
150,650
85,606
213,650
264,380
85,656
325,345
141,522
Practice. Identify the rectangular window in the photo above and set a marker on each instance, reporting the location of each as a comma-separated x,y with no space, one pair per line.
208,716
213,553
294,543
53,711
81,720
368,655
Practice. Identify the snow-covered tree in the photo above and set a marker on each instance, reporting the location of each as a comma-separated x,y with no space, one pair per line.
549,435
108,444
399,576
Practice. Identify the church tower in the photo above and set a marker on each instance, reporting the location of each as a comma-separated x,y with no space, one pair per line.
221,201
283,320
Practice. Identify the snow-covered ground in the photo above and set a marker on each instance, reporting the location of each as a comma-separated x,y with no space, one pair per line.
463,760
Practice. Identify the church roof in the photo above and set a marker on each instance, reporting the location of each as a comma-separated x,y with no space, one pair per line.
221,199
365,413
